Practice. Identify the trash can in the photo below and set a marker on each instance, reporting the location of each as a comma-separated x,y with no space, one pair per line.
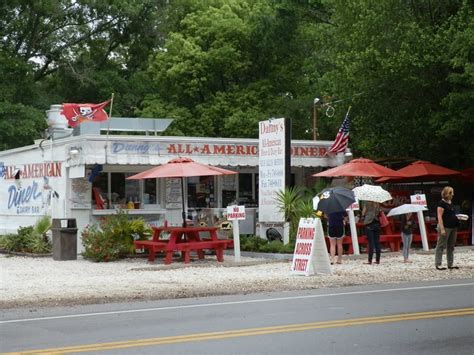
64,239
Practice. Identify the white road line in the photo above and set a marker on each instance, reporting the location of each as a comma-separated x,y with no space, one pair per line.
233,302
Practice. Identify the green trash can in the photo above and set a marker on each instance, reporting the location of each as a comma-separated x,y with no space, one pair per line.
64,239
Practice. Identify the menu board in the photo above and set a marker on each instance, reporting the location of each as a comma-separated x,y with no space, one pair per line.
81,190
173,193
271,168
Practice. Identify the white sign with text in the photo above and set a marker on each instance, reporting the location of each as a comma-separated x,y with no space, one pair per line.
310,253
235,213
418,199
271,172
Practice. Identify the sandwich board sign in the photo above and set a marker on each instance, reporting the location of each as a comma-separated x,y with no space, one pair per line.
310,255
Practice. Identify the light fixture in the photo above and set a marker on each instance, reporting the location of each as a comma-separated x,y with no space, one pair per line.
348,154
74,152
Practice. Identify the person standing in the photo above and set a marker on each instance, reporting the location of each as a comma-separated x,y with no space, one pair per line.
407,224
336,234
447,229
371,213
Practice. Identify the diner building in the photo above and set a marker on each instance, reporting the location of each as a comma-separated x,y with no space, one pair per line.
82,173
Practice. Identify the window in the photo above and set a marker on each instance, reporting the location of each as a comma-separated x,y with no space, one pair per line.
149,191
201,191
121,190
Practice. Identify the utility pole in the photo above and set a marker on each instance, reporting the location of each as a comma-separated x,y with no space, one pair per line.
315,119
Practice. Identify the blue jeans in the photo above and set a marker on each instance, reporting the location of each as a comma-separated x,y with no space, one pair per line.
407,238
372,231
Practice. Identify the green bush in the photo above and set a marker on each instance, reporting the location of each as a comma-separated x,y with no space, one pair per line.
257,244
98,245
30,239
113,237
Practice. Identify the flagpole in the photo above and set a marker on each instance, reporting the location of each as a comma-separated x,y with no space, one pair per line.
110,113
108,127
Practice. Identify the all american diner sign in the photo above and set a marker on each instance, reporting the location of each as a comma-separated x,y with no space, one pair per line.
244,149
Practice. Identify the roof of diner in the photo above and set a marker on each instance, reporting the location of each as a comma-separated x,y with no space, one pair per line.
154,150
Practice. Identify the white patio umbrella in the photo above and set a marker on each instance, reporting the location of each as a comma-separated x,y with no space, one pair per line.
418,209
371,193
406,208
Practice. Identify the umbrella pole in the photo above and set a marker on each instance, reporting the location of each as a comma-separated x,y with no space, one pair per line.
182,201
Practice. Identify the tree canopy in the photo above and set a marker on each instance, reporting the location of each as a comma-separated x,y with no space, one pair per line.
218,67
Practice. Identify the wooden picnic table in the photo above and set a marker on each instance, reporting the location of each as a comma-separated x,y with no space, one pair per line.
185,240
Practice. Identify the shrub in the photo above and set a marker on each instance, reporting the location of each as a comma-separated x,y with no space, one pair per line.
113,237
257,244
98,245
30,239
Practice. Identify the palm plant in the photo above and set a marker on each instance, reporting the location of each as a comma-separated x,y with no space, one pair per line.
30,239
289,203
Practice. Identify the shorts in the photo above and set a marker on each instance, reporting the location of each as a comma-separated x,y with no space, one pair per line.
336,232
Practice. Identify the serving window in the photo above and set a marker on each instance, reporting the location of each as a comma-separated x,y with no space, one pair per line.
112,190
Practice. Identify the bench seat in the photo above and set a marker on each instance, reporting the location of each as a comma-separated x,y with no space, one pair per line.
185,247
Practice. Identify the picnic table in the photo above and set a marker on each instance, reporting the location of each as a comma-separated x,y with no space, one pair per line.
392,239
169,239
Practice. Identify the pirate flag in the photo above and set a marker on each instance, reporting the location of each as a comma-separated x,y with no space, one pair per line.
78,113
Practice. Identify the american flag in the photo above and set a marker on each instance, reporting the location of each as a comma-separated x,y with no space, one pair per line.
342,137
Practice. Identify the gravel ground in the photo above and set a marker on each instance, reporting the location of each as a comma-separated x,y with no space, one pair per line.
37,282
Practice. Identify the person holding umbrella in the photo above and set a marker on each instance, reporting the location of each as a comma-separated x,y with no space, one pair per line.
371,213
407,224
374,195
407,211
336,221
333,201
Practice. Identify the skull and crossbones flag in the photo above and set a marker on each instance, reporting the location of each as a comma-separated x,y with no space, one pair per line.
78,113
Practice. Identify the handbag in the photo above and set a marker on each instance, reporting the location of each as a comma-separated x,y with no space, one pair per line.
383,219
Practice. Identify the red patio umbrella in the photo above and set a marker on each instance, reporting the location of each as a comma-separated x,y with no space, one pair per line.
467,175
360,167
181,168
423,170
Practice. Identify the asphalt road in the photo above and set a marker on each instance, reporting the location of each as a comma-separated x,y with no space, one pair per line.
417,318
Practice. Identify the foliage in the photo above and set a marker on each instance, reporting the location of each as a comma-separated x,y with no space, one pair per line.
411,83
405,66
113,237
295,202
288,203
98,245
30,239
257,244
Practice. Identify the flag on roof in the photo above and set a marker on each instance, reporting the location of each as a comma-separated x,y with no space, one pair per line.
78,113
342,137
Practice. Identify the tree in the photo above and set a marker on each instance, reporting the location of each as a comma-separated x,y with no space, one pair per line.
396,56
230,64
72,51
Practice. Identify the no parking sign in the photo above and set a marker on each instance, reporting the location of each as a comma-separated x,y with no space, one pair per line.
236,213
418,199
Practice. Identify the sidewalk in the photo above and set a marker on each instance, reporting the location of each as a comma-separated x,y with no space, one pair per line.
36,282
